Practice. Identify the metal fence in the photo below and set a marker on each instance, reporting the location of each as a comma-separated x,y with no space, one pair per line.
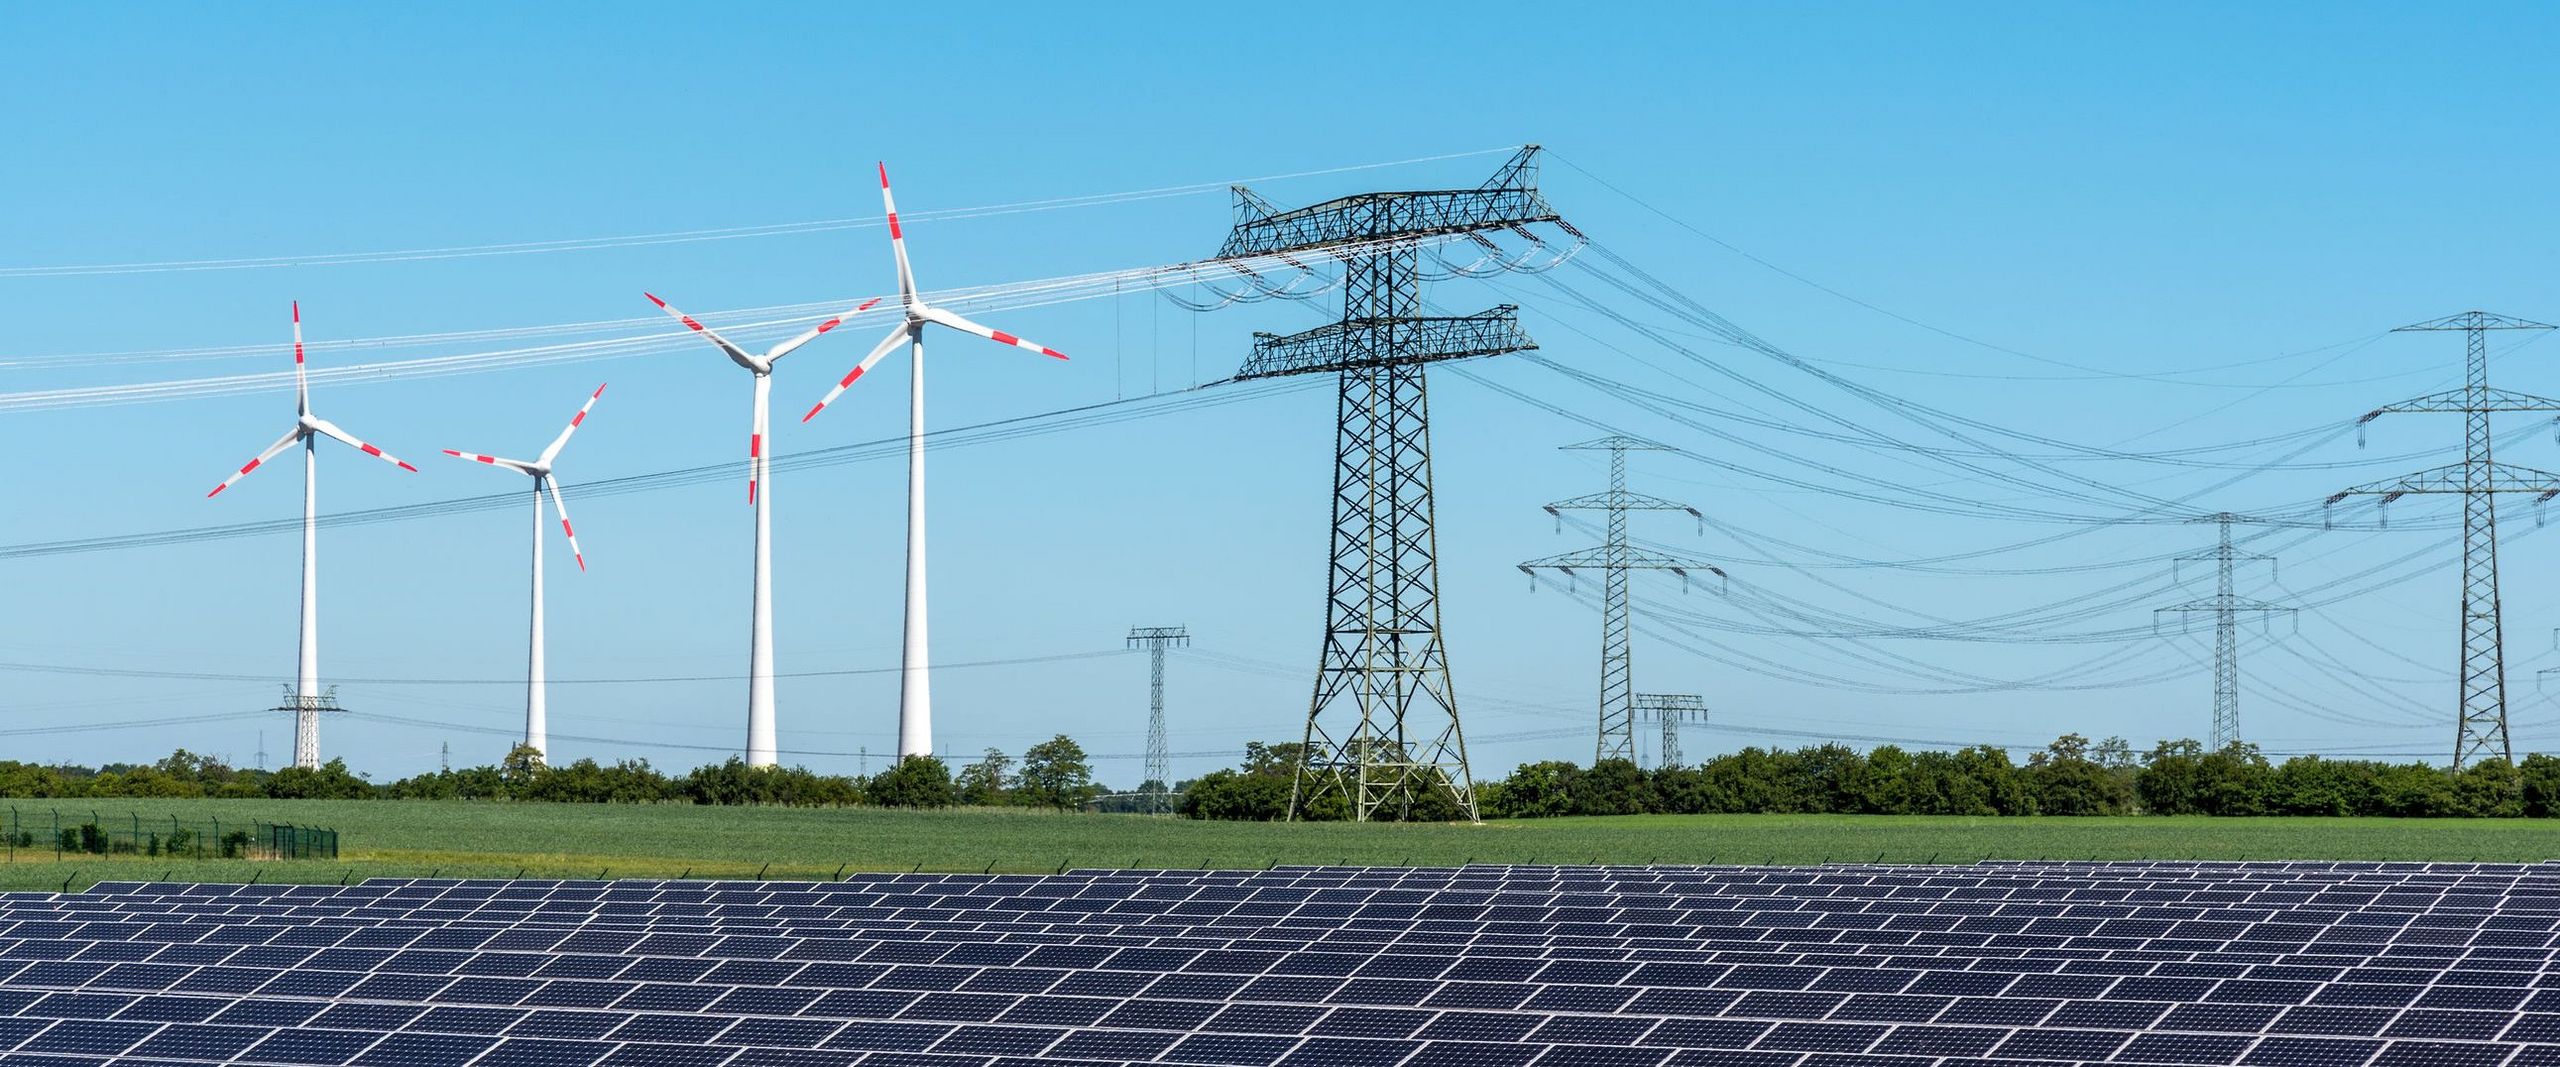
35,835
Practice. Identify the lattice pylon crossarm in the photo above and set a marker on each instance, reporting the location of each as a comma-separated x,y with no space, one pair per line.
2463,400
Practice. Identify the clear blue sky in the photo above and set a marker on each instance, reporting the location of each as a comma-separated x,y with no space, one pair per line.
2229,202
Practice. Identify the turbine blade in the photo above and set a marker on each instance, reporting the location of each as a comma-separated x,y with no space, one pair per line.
736,354
301,381
887,345
553,452
494,461
281,444
998,336
562,506
897,241
786,347
331,429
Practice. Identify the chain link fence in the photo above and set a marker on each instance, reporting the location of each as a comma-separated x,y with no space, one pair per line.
43,835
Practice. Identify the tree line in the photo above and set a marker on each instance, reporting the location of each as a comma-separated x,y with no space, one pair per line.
2071,776
1053,774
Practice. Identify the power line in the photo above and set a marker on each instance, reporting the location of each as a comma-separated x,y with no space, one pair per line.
698,235
136,672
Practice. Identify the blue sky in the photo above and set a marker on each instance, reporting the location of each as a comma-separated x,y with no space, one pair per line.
2155,228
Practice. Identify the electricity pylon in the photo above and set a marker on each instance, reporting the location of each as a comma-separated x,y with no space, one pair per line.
1384,669
1670,710
2226,606
2480,728
1155,639
1613,558
307,707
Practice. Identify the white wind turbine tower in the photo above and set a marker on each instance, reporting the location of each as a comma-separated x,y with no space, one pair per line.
915,675
308,429
536,705
760,744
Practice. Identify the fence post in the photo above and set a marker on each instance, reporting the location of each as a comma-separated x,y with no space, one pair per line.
217,837
57,835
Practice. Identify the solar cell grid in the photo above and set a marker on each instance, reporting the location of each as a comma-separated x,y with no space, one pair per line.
1626,947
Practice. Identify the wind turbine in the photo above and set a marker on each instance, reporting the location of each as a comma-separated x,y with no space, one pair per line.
308,429
536,706
915,675
760,744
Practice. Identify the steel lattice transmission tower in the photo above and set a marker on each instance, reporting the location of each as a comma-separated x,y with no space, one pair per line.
307,707
1614,558
1383,723
1156,639
2226,606
2480,729
1670,710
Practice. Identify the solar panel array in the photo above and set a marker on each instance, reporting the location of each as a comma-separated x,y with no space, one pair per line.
2268,965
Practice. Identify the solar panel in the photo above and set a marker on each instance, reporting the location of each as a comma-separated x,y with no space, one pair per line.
2163,962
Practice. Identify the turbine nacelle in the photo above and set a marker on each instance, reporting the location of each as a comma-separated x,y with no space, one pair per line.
540,471
758,365
305,424
914,312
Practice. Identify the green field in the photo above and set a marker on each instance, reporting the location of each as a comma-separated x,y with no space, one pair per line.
481,839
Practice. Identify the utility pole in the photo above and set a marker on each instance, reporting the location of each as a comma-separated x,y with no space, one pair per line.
2480,727
1613,559
1159,774
262,750
2225,605
444,758
1670,710
1382,725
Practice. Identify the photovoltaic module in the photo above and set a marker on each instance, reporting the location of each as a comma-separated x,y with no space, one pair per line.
2262,964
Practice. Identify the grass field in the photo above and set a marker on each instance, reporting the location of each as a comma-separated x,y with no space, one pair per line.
457,839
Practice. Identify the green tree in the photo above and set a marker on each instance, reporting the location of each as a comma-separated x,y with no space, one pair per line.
981,784
2171,782
1613,787
2414,790
1257,790
912,782
1747,781
329,781
1534,791
2488,789
1055,774
1888,786
2064,781
522,770
2539,795
2234,781
2310,785
1680,790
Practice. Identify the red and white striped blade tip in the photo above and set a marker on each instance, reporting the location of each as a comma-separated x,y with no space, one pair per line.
1003,338
830,323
